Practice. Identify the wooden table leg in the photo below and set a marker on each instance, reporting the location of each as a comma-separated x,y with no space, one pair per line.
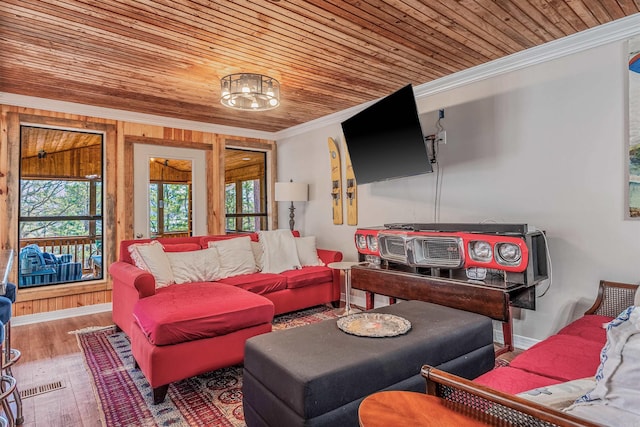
507,334
369,297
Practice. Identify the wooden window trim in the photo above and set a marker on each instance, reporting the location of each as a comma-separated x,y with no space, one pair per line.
14,121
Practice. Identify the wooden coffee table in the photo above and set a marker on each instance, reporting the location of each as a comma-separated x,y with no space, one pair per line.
406,408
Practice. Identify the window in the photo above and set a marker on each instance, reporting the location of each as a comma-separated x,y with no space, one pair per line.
245,190
170,197
60,223
170,209
230,205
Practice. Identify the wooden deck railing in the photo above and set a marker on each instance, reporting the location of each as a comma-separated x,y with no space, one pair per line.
172,234
81,247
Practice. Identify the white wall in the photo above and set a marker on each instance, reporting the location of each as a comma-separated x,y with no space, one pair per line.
544,145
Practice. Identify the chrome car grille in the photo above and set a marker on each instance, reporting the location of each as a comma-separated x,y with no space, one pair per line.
437,252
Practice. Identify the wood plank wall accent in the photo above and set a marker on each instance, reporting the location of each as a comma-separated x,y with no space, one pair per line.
118,217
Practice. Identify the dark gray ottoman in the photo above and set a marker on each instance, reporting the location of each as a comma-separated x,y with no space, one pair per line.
317,375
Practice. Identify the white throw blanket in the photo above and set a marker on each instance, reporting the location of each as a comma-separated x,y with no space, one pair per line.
614,400
280,253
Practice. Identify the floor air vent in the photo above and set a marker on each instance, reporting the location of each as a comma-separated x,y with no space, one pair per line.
41,389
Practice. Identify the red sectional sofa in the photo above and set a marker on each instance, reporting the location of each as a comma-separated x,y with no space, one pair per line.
181,330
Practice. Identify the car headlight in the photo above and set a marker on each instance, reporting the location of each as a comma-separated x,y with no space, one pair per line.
508,253
361,241
372,243
373,260
479,250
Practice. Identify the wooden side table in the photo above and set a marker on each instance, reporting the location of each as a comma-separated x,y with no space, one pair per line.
408,408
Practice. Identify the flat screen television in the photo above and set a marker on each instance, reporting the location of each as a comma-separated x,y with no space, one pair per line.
385,140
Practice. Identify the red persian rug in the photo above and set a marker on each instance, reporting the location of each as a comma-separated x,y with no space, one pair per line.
211,399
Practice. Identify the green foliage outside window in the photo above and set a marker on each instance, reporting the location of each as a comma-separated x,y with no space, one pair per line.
40,198
153,209
176,207
249,201
230,205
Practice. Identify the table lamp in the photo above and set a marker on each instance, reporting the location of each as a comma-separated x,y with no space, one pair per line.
291,192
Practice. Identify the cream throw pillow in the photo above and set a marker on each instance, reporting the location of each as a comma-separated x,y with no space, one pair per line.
258,254
307,251
636,300
195,266
235,256
152,258
280,253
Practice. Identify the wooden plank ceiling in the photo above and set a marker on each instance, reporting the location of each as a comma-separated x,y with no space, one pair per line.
37,142
166,57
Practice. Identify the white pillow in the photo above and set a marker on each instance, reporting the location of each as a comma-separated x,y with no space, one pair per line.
307,251
195,266
616,392
258,254
152,258
636,300
235,256
280,253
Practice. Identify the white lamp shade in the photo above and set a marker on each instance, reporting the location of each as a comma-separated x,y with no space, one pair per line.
291,192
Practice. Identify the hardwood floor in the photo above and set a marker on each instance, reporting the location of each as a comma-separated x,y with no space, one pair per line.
51,354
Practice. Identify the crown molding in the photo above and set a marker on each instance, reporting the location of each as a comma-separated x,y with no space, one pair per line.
127,116
615,31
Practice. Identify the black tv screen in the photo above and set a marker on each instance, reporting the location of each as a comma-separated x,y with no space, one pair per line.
385,140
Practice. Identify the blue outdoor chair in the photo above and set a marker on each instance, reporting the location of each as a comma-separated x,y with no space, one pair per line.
41,268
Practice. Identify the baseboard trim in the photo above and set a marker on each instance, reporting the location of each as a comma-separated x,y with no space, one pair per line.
28,319
519,341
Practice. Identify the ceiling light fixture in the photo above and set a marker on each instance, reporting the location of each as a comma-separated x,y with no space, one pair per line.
251,92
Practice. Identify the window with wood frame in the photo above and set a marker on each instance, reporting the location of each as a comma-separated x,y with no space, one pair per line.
245,190
170,198
61,206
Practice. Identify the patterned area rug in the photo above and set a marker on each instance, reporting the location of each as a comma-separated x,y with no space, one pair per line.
212,399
